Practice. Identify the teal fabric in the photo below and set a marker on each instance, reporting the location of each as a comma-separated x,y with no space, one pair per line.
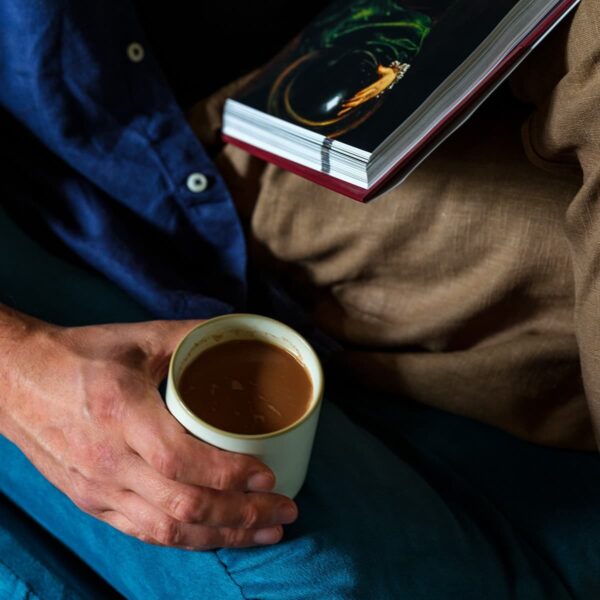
35,565
400,502
13,587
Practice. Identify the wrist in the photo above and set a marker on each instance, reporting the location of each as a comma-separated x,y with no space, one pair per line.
15,329
18,334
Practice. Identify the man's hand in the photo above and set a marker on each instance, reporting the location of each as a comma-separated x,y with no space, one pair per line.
83,405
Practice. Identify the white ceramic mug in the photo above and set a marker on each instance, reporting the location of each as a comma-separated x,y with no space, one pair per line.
286,451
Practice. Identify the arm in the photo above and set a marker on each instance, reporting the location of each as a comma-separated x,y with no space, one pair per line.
561,79
83,405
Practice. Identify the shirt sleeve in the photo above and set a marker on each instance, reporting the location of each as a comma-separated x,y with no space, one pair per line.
562,80
101,152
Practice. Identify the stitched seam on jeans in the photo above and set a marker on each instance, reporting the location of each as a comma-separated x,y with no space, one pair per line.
237,585
30,590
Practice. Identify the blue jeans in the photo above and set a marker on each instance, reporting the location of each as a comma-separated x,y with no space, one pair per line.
401,501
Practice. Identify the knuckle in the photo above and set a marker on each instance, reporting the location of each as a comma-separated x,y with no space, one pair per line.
187,507
229,474
166,531
231,538
167,463
250,517
223,479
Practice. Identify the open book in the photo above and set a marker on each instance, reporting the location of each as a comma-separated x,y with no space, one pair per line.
360,97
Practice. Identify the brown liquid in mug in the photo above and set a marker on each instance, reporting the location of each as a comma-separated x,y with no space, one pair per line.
247,387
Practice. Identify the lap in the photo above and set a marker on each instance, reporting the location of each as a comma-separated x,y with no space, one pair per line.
376,521
371,526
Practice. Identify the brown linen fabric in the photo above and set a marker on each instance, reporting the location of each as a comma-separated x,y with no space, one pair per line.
472,287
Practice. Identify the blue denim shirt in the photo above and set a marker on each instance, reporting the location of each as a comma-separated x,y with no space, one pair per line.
95,146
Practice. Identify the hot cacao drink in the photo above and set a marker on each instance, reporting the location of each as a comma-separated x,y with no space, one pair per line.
247,387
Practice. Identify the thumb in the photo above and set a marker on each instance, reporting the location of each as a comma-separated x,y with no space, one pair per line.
159,339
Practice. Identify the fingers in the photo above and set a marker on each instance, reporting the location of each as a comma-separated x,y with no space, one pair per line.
201,505
124,525
163,443
153,525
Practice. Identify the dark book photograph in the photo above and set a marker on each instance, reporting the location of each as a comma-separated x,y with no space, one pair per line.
365,91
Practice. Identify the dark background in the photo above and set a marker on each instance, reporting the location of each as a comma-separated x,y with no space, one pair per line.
203,45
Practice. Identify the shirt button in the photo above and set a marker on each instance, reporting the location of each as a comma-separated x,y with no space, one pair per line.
197,182
135,52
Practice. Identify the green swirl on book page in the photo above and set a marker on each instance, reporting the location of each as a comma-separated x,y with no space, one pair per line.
346,63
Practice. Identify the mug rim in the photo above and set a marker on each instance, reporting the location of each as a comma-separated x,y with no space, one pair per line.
247,436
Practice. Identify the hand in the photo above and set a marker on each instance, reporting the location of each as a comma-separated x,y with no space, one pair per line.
83,405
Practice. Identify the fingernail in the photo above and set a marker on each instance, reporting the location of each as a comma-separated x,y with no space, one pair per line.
261,482
287,513
269,535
